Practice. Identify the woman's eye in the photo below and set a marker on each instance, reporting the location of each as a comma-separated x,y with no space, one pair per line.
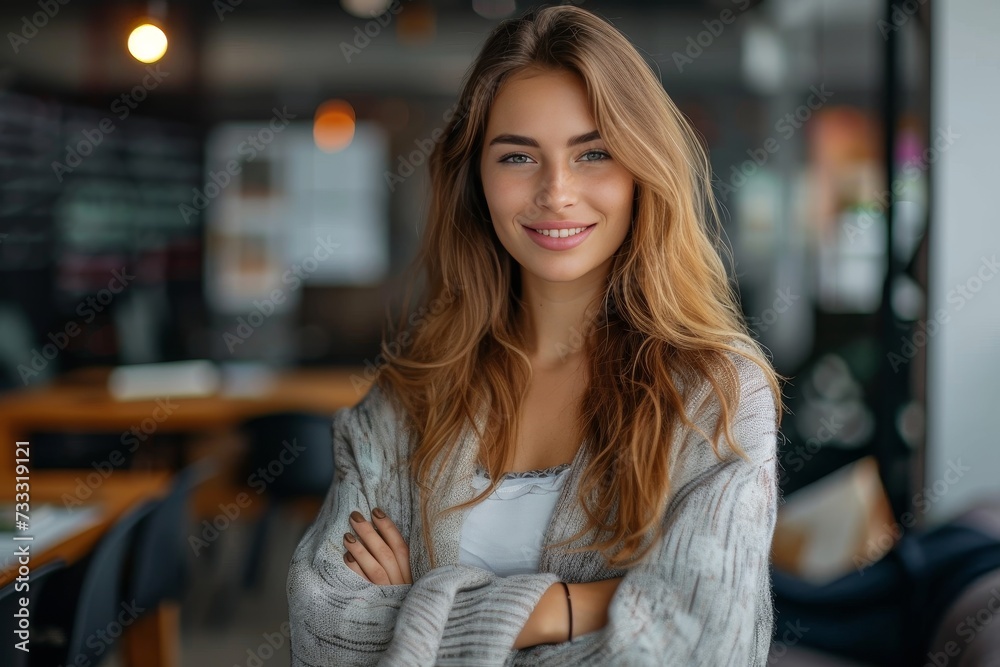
509,159
506,158
606,156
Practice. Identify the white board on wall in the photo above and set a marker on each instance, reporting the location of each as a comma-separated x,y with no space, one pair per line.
292,215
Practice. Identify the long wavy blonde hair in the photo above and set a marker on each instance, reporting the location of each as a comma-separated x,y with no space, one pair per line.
668,307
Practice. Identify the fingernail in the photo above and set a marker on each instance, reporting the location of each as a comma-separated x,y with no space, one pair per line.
378,514
349,556
356,517
350,538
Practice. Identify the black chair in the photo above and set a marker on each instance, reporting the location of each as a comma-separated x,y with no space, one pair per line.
158,569
905,606
87,601
80,450
289,456
960,638
10,655
970,642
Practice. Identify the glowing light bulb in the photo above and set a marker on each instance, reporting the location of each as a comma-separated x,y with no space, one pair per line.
147,43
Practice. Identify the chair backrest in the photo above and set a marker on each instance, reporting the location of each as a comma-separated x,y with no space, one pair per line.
963,636
80,450
102,610
289,454
159,567
10,597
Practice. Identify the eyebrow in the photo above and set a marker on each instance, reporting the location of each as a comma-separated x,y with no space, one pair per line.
519,140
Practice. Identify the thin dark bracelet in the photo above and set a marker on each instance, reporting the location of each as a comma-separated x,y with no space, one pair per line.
570,606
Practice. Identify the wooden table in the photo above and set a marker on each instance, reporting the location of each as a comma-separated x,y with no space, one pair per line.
153,639
117,494
81,402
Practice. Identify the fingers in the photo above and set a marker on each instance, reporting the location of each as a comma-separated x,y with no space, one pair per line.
380,552
375,557
352,564
392,537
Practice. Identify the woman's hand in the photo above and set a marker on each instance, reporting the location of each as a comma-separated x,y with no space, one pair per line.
380,555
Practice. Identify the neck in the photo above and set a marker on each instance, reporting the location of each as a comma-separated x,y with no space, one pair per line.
556,316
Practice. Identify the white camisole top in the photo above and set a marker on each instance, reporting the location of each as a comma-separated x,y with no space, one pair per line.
504,533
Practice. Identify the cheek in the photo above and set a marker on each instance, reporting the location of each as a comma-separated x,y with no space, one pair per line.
613,194
506,198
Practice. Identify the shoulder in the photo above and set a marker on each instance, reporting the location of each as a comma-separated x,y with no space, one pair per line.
752,419
755,390
377,406
375,419
744,375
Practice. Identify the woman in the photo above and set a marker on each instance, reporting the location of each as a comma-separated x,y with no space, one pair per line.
605,368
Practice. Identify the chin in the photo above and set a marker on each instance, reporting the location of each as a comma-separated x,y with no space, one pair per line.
552,275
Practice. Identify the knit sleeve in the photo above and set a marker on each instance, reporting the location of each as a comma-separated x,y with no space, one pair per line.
337,617
454,614
703,595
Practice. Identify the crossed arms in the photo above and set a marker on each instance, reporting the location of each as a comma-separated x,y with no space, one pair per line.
701,597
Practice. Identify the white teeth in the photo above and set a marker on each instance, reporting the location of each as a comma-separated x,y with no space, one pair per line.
561,233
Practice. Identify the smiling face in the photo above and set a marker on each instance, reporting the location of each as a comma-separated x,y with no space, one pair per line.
544,165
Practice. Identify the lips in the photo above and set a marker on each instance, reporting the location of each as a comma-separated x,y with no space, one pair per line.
557,224
559,242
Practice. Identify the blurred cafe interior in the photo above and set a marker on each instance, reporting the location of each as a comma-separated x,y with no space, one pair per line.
207,209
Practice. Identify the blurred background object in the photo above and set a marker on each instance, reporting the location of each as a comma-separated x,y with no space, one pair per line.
300,439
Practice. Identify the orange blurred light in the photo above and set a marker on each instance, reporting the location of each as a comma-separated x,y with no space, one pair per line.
333,127
416,26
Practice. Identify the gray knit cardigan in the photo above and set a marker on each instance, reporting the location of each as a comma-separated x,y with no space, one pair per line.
702,596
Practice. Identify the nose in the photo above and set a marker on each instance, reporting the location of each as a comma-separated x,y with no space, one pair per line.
556,188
